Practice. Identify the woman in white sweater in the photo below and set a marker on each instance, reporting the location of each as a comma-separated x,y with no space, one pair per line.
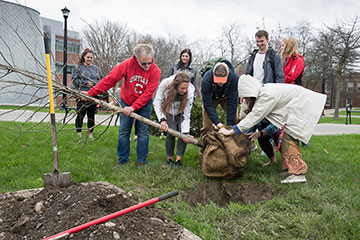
172,104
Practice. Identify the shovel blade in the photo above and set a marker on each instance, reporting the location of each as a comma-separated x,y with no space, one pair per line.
56,179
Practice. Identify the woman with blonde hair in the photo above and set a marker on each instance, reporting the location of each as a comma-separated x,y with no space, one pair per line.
292,60
172,104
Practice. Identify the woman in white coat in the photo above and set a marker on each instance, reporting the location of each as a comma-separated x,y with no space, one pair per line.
172,104
292,108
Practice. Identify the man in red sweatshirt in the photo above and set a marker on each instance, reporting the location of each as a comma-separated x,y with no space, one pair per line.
141,78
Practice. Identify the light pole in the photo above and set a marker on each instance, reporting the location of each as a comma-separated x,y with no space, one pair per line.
324,56
65,12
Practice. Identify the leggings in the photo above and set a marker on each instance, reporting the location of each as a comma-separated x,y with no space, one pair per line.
174,122
85,108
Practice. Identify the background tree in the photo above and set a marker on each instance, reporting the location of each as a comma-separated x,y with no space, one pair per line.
109,41
341,42
232,43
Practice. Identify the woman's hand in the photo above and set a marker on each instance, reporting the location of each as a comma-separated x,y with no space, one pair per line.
187,140
226,132
90,84
164,126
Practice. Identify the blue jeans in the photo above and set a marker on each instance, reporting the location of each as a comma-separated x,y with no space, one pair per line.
126,123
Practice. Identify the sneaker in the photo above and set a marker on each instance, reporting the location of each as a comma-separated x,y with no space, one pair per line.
79,134
294,179
140,165
119,164
178,164
170,162
91,136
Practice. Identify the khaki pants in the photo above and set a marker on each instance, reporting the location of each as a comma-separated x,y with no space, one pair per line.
207,123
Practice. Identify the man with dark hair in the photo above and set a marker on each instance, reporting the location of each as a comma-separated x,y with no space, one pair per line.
265,63
266,66
219,86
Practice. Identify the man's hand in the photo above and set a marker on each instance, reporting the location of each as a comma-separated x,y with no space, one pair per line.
127,110
85,93
253,136
219,125
187,140
226,132
164,126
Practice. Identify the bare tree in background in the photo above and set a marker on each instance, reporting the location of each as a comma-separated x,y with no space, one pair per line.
232,43
342,44
276,36
167,51
109,41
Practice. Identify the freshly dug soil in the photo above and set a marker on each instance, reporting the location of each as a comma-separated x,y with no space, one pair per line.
53,210
223,193
37,214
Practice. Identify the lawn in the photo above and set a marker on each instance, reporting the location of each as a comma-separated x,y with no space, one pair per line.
354,120
354,113
327,206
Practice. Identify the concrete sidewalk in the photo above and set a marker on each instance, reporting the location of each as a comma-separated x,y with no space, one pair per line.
31,116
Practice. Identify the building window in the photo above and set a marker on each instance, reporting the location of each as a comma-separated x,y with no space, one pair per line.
72,47
327,86
59,68
358,87
349,86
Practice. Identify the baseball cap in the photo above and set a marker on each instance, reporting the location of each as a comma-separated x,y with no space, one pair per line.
221,72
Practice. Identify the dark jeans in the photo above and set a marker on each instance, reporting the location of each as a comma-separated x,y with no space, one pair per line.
85,108
126,122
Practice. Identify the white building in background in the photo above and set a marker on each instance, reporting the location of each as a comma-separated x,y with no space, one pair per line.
22,46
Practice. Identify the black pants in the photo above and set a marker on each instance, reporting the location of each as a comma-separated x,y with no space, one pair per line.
265,143
82,108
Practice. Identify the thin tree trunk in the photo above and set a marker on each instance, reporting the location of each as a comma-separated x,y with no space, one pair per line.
337,96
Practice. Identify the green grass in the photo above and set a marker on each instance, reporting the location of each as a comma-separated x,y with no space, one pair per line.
342,120
325,207
354,113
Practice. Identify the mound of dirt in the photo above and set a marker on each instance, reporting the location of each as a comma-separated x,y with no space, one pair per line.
46,212
223,193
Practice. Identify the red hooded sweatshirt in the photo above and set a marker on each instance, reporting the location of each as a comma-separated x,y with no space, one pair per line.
293,69
138,86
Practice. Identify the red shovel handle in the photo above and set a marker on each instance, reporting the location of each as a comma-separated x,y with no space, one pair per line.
113,215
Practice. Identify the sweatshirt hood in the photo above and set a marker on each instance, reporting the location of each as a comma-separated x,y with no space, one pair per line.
248,86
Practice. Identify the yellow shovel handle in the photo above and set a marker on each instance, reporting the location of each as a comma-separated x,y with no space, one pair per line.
51,96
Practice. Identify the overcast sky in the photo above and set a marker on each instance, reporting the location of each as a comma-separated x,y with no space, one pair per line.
196,19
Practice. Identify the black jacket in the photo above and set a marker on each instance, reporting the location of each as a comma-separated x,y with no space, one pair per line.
211,91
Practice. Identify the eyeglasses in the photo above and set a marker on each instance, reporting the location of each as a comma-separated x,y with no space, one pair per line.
145,63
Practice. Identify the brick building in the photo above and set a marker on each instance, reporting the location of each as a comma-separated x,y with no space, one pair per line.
350,91
55,31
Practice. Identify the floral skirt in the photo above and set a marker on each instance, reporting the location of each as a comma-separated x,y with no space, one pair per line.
291,157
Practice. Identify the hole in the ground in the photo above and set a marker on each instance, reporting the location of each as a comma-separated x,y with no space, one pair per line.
223,193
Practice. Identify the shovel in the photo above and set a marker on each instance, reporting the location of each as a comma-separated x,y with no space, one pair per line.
55,179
